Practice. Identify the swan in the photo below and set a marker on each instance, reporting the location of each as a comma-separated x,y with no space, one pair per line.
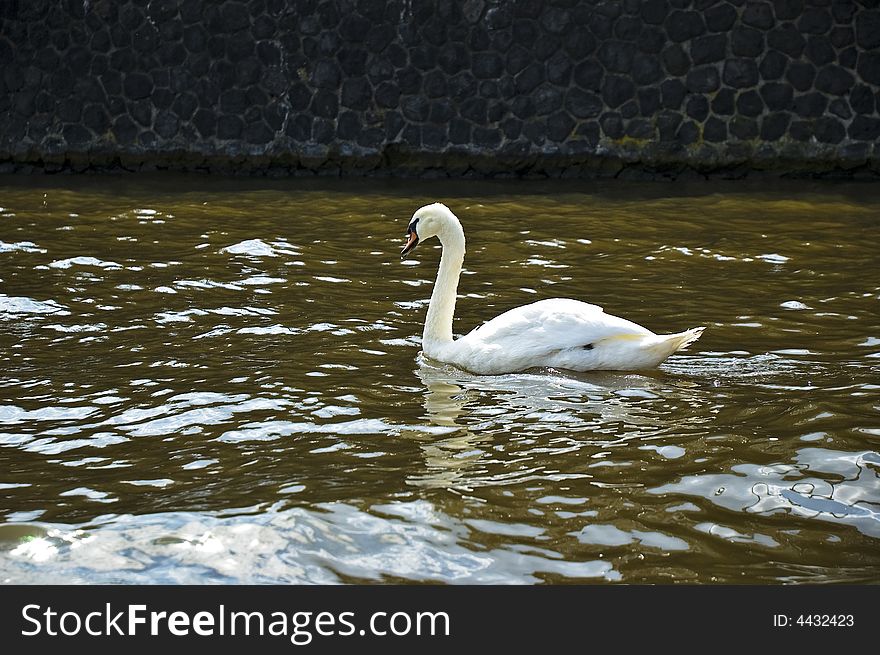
559,332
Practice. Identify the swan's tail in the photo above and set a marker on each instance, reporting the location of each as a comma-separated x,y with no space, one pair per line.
682,340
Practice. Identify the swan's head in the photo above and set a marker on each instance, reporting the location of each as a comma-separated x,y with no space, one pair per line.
430,221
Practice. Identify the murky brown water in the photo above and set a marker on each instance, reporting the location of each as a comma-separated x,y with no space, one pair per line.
213,380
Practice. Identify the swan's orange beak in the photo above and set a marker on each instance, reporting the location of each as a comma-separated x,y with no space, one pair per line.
411,242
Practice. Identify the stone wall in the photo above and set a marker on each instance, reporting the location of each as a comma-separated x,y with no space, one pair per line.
480,87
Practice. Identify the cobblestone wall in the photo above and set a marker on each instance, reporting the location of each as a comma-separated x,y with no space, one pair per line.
513,87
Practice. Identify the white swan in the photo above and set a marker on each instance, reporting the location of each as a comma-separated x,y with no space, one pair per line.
559,332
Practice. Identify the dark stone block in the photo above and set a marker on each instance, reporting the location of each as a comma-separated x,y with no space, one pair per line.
786,38
819,50
646,69
487,137
801,130
489,89
387,95
774,126
842,36
70,109
583,104
834,80
746,42
602,27
676,60
848,58
629,109
459,131
229,127
810,105
536,132
326,74
667,125
627,28
588,75
142,112
559,126
76,135
787,9
777,96
556,20
697,107
861,99
616,90
479,40
649,101
233,101
672,93
654,12
720,17
616,56
166,124
639,128
773,65
475,110
688,133
749,103
709,49
162,98
323,131
651,41
325,104
546,47
715,130
758,14
723,102
703,80
124,130
354,28
394,123
548,99
512,128
487,65
829,130
462,86
840,108
416,108
684,25
442,111
525,33
379,37
864,128
137,86
579,44
801,75
348,127
843,10
299,128
409,80
559,68
353,61
517,59
740,73
612,125
434,84
299,96
868,29
434,137
453,58
529,78
743,128
869,67
590,132
815,20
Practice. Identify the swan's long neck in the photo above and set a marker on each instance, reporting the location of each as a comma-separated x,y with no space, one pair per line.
438,323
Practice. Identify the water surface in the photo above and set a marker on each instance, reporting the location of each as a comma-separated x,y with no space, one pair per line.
218,380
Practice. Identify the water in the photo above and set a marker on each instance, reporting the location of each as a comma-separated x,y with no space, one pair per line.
208,380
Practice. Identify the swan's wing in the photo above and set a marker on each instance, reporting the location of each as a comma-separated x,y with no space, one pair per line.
552,325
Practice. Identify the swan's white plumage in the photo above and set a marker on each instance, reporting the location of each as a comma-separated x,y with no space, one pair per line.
559,332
